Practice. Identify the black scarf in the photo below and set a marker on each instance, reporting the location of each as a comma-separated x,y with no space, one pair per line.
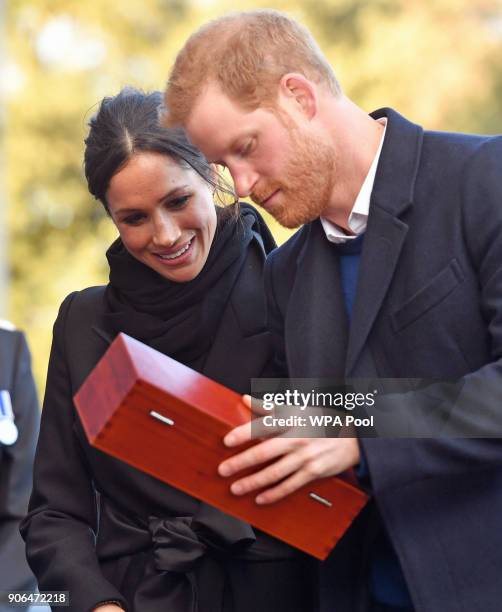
181,319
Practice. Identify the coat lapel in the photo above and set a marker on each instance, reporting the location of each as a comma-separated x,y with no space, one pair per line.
385,234
382,246
316,320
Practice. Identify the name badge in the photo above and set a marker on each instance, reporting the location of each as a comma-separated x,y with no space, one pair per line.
8,429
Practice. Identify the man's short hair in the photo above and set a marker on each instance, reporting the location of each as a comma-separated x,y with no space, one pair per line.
246,54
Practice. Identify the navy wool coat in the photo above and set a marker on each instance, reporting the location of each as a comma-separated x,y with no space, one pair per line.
428,305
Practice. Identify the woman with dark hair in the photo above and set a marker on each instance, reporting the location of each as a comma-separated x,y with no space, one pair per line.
185,278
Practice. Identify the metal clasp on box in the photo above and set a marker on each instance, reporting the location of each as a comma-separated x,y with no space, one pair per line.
321,500
161,418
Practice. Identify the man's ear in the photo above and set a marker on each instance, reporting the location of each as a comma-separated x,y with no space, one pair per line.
299,92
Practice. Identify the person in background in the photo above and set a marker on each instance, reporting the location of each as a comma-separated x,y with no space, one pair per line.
186,279
19,424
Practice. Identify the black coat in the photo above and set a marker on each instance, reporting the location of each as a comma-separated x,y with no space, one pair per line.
178,573
428,305
16,461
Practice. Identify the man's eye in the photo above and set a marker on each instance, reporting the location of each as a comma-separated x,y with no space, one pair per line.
246,149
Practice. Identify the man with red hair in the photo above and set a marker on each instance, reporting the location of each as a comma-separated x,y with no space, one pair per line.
396,273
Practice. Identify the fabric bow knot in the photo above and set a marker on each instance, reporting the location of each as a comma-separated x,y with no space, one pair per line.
176,546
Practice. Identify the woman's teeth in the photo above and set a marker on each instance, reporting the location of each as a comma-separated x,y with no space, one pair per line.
178,253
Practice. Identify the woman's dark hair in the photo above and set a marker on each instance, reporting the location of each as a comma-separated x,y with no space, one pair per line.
127,124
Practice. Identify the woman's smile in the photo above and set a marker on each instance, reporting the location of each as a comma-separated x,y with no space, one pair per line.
178,255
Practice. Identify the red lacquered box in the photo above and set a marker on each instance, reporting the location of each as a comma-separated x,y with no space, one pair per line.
167,420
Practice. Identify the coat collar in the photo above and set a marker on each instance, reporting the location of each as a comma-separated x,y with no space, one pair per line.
394,186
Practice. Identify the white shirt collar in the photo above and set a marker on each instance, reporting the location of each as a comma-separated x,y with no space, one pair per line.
358,218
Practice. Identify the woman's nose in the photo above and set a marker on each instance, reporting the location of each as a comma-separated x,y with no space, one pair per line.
165,231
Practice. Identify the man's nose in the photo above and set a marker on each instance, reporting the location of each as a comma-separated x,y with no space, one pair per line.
166,230
244,181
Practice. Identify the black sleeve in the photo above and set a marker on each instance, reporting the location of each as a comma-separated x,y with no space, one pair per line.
16,470
61,524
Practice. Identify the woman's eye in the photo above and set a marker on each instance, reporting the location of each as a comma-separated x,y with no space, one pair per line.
134,219
179,202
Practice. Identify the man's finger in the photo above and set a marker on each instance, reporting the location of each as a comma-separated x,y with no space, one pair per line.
255,405
269,475
285,488
260,453
239,435
254,430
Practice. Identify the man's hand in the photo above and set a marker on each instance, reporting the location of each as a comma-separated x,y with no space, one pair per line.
299,461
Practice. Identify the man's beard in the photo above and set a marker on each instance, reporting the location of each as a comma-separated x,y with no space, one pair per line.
307,183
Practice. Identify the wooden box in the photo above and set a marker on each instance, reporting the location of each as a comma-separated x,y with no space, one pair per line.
169,421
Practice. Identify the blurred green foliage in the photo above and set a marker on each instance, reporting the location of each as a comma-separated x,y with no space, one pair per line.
436,61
